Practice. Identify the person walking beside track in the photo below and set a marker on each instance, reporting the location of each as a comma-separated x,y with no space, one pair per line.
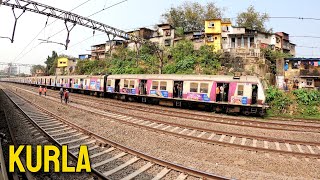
61,94
45,91
66,96
40,90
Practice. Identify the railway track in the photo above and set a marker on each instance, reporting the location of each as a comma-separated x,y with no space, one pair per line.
109,159
218,119
253,143
8,136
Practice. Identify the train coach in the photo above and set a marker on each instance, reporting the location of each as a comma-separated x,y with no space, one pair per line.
219,93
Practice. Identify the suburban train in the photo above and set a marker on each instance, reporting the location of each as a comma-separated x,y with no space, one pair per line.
218,93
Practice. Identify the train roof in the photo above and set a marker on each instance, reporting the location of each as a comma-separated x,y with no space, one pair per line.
186,77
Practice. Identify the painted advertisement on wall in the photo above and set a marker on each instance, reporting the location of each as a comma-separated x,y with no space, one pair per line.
128,90
93,83
110,89
198,97
159,93
239,100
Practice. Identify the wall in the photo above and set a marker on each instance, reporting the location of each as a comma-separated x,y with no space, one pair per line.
213,30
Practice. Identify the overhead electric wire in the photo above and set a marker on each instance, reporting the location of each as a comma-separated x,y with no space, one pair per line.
46,25
90,16
82,41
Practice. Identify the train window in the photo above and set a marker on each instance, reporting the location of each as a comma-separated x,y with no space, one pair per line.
163,85
240,90
109,82
126,83
204,87
132,84
194,87
155,84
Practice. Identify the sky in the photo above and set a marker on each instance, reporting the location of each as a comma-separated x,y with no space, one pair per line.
140,13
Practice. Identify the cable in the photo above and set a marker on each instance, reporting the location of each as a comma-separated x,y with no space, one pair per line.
315,37
91,15
82,41
15,59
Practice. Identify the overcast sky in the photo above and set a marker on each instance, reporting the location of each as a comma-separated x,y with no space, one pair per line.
140,13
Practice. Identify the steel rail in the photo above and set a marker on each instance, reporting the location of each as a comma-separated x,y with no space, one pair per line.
271,139
228,118
190,137
249,123
27,174
97,173
177,167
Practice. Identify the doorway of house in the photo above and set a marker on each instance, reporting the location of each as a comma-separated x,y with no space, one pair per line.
117,86
178,89
143,87
223,92
254,94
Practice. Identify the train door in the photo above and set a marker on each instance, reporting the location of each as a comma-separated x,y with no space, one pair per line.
117,85
177,89
223,92
254,94
143,87
70,83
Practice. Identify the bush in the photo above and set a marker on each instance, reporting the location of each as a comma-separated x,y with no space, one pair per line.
278,100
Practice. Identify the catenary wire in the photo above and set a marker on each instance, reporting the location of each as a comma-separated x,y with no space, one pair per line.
46,25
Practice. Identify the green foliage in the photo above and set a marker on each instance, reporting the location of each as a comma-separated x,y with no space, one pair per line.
273,56
51,63
278,100
34,68
252,19
89,67
191,15
306,102
186,60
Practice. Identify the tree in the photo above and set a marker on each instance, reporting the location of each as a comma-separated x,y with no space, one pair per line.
273,56
191,15
51,63
35,68
186,60
252,19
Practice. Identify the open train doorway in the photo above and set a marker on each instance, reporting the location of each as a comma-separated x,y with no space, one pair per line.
143,87
223,89
117,86
177,89
254,94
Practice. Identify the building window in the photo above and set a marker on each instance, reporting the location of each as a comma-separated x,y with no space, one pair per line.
309,82
204,87
167,42
295,65
193,87
211,25
240,90
109,82
126,83
155,85
168,33
163,85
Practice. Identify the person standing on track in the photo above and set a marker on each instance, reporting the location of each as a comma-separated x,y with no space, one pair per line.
61,94
66,96
40,90
45,91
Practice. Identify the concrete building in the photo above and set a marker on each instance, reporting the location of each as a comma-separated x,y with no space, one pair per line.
101,51
301,72
66,66
84,56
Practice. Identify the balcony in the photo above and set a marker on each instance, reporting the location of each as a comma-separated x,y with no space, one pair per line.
310,73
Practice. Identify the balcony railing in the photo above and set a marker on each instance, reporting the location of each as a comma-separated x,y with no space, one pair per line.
310,73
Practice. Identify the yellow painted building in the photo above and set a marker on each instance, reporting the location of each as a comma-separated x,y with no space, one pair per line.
62,62
213,32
